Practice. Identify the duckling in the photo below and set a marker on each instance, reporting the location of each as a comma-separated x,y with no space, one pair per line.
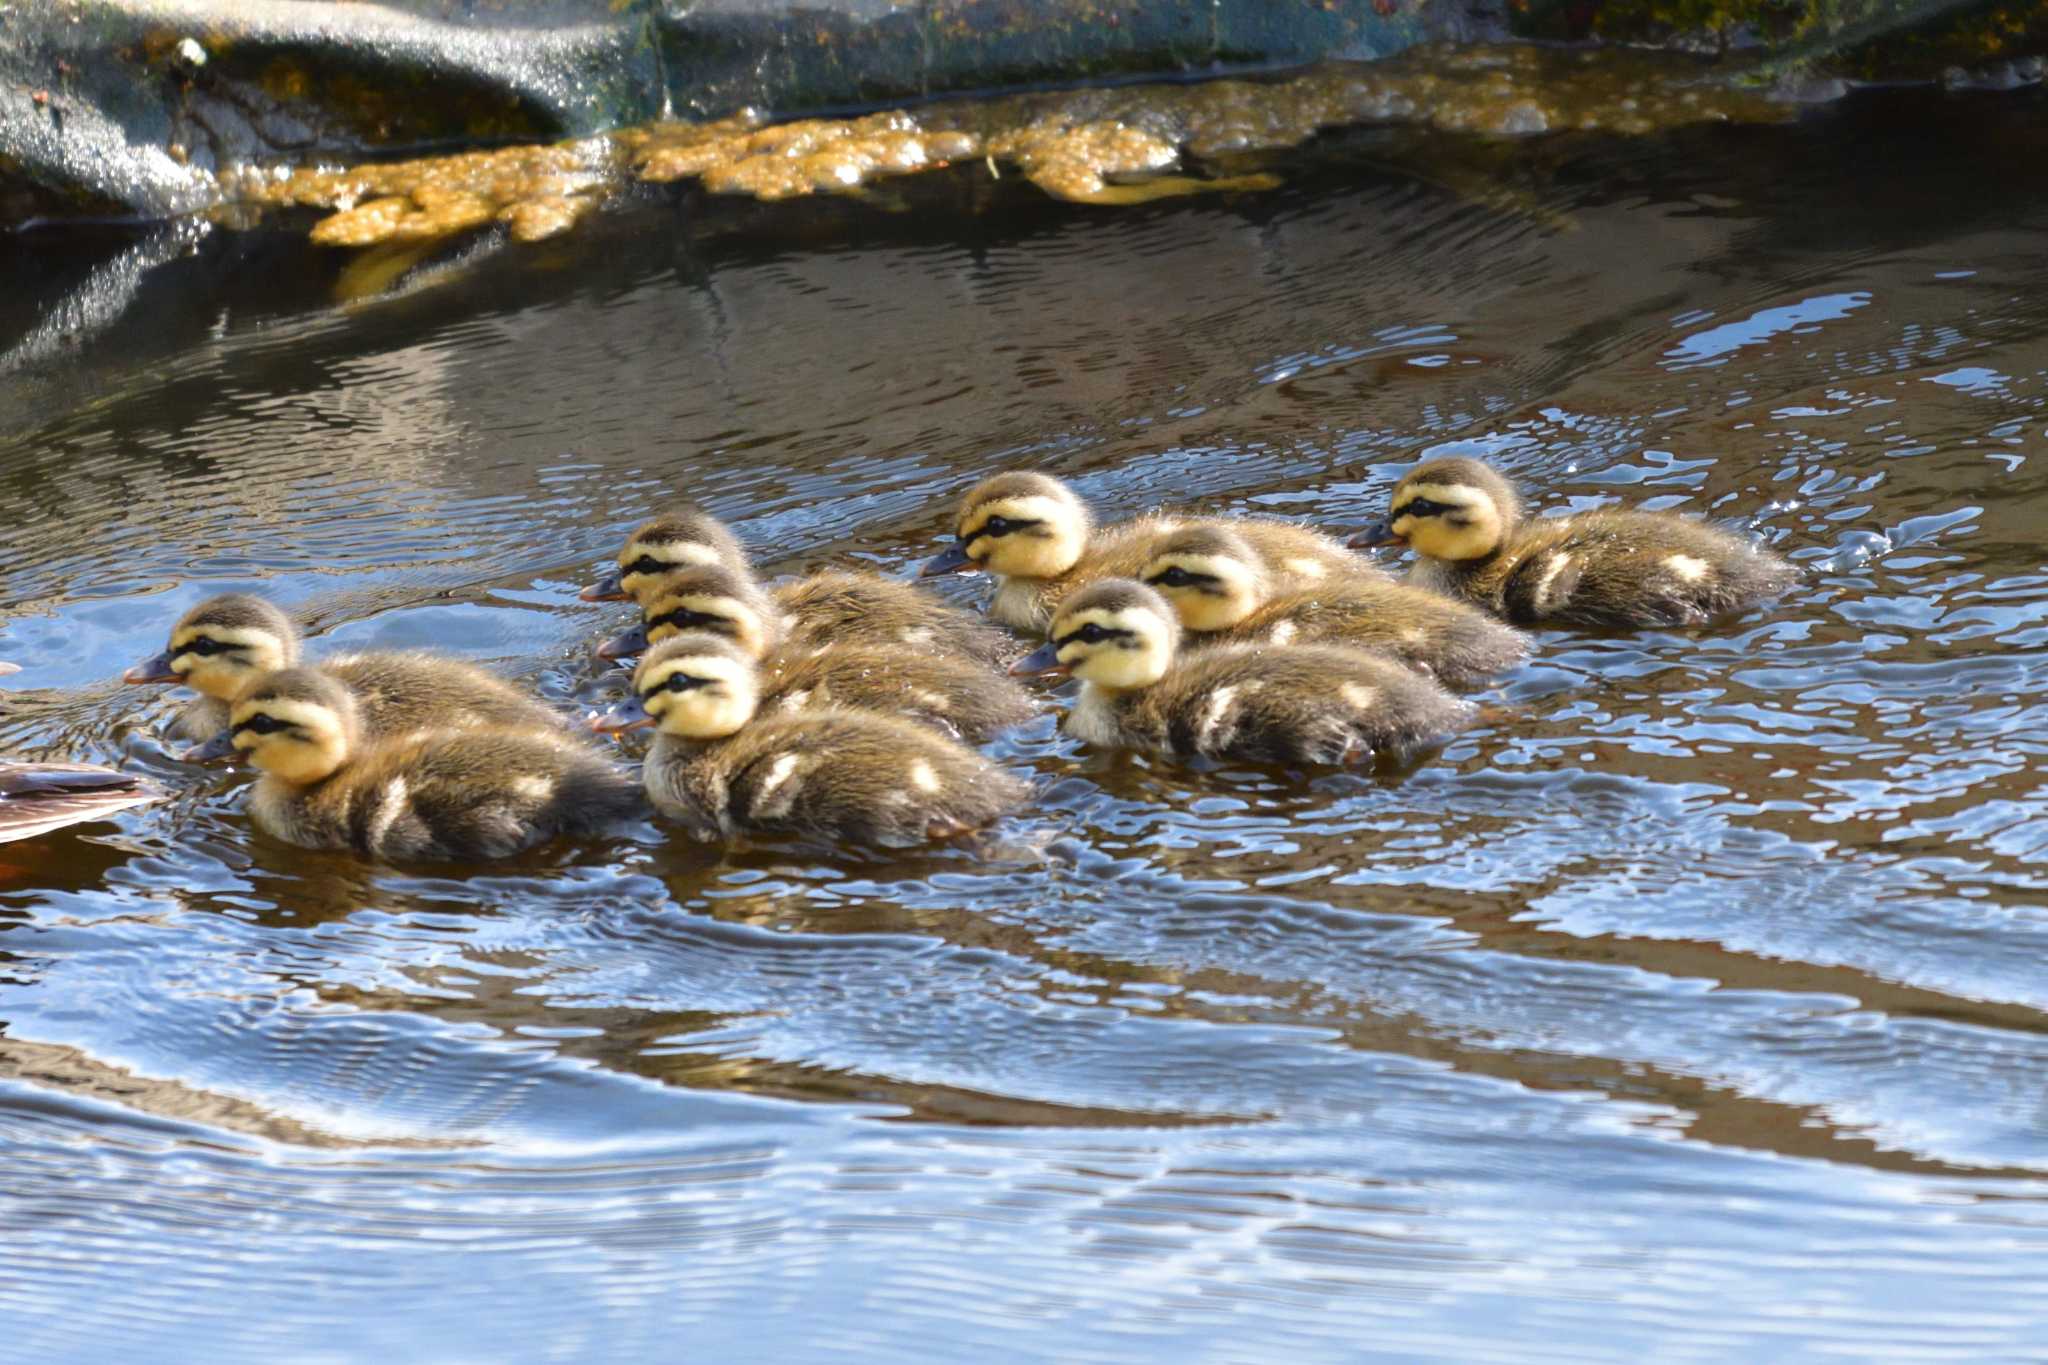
682,535
1034,533
1224,594
468,794
1605,568
831,605
220,644
946,691
831,773
1297,703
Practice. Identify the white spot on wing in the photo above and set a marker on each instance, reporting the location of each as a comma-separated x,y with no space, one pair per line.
766,802
1558,564
922,777
1358,695
534,788
1305,568
1283,632
1218,708
1689,568
391,804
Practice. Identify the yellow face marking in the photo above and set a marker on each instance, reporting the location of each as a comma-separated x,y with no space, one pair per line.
252,650
723,700
1230,589
1121,662
732,618
1044,550
309,750
1439,536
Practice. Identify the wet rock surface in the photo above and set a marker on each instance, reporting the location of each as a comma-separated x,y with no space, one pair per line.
1104,146
132,107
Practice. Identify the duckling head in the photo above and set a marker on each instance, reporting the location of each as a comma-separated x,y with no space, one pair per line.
1019,525
1210,574
708,597
1448,509
693,686
297,725
1117,634
682,536
222,643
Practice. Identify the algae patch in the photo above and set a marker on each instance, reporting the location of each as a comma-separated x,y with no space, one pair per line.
1104,145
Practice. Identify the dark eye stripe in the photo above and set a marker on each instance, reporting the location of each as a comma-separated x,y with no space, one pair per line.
682,618
999,526
1423,507
1090,634
674,682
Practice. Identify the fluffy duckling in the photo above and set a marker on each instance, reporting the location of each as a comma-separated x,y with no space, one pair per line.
430,794
1306,703
851,776
1034,533
1224,594
946,691
1603,568
830,606
219,645
682,535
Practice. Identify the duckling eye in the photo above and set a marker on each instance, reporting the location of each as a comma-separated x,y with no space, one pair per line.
1423,507
645,564
1090,634
204,646
1175,577
263,725
680,682
998,526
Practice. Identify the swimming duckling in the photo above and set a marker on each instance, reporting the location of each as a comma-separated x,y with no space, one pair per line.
1034,533
947,691
1225,595
1296,703
428,794
220,644
831,605
852,776
1602,568
682,535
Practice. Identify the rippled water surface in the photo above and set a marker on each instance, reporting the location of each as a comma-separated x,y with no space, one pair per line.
1696,1004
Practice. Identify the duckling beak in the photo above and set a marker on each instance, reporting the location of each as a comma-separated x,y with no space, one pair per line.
627,644
214,750
629,714
156,670
606,589
1044,659
1380,532
952,559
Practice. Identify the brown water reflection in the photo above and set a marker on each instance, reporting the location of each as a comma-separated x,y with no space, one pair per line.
1704,975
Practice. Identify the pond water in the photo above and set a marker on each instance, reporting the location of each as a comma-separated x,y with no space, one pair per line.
1694,1003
